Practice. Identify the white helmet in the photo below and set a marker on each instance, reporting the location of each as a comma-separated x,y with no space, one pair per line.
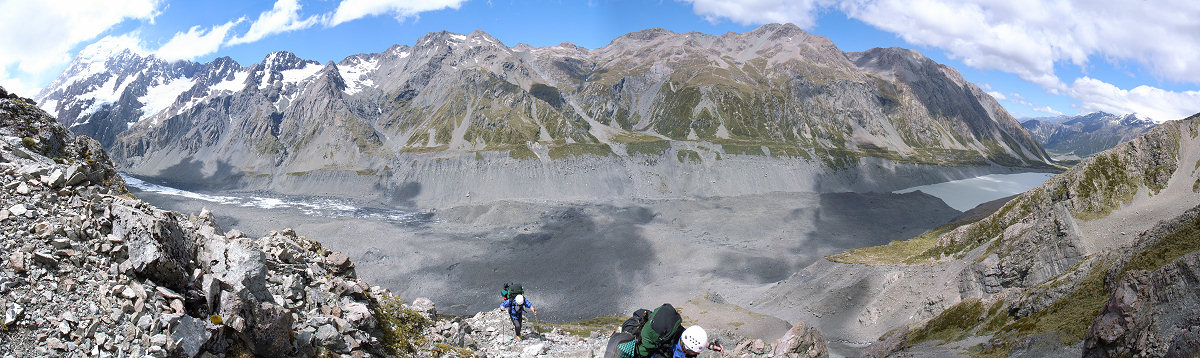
519,300
694,339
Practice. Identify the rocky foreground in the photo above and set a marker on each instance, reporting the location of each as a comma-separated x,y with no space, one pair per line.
89,270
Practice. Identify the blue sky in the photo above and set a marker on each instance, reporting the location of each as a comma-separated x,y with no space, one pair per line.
1038,58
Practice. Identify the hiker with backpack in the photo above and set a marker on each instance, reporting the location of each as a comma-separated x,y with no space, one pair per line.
516,307
658,334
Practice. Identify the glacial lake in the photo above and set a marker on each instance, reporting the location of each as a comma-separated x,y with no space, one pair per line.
965,194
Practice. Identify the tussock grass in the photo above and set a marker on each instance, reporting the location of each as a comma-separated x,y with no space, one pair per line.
1171,247
911,251
651,148
688,156
579,149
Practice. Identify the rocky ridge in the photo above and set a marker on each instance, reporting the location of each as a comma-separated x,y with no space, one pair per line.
653,103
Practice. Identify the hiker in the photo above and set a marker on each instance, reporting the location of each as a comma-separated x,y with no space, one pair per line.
516,307
692,342
658,334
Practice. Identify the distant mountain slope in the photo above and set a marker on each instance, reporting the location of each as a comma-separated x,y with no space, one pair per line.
773,92
1086,134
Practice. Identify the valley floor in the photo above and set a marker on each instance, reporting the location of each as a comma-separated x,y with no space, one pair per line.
581,260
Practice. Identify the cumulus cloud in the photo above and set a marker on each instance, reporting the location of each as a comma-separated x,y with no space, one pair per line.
349,10
1047,109
195,42
38,35
283,17
746,12
997,95
1024,37
1156,103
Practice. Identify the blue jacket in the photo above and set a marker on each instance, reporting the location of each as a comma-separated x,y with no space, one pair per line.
514,310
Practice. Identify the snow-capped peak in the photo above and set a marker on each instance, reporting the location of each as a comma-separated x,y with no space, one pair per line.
109,47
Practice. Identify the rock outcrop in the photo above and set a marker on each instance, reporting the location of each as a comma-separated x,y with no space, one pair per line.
1153,311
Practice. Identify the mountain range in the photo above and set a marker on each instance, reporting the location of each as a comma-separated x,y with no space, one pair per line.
1086,134
649,100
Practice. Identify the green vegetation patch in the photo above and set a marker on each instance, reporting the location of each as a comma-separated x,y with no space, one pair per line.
423,150
952,324
688,156
743,148
401,327
297,174
1105,185
651,148
522,152
366,172
1182,241
578,149
897,252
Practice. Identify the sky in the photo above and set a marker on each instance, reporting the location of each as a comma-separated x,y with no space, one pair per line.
1038,58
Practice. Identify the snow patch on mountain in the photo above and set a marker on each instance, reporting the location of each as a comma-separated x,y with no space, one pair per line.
236,84
160,96
107,93
356,74
300,74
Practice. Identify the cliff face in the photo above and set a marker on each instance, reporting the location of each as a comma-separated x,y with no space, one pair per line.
649,101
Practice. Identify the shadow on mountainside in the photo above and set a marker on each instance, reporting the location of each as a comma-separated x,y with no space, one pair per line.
577,262
851,220
188,174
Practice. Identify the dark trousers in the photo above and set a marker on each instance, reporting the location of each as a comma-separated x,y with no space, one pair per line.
517,325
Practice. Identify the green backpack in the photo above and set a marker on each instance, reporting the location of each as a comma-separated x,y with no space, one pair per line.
511,291
659,332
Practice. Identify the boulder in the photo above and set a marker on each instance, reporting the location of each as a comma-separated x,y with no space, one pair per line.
12,313
802,341
268,331
18,210
189,335
425,308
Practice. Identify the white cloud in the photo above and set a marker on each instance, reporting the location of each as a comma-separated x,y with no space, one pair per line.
997,95
1156,103
1047,109
1024,37
746,12
38,35
195,42
283,17
349,10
